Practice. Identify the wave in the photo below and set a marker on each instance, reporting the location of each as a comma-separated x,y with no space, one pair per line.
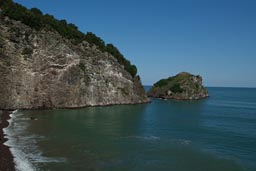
24,147
184,142
234,104
149,137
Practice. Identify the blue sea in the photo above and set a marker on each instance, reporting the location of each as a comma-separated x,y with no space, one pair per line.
213,134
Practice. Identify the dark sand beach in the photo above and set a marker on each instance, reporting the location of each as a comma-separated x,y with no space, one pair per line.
6,158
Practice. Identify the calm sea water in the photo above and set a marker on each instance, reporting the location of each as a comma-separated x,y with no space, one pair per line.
214,134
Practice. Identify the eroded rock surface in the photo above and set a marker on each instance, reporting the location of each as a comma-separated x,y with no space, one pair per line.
41,69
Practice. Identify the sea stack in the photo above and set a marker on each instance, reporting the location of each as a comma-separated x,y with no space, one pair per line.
183,86
41,66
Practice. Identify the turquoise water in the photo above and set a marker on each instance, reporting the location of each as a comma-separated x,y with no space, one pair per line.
214,134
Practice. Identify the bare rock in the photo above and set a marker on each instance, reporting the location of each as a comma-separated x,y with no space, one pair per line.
41,69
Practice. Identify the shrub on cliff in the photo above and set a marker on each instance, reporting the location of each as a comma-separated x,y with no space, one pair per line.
110,48
176,88
93,39
27,51
18,12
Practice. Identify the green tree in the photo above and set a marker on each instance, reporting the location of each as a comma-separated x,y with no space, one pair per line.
35,19
36,12
93,39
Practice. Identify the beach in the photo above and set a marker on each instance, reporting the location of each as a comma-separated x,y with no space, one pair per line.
6,158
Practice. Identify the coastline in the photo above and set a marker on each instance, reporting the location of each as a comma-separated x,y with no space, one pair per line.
79,107
178,98
6,158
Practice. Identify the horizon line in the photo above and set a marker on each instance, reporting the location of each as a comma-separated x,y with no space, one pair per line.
218,86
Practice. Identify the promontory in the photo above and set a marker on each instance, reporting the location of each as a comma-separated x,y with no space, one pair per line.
183,86
49,63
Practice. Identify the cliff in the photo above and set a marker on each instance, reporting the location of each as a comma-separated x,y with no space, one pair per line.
40,68
183,86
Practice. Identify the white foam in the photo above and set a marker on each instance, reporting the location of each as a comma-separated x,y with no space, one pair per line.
184,142
149,137
21,162
23,146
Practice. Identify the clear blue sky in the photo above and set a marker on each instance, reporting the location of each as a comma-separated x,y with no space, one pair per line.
213,38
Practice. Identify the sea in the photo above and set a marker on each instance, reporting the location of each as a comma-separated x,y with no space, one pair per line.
213,134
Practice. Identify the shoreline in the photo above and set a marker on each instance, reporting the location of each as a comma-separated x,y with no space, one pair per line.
179,99
6,158
77,107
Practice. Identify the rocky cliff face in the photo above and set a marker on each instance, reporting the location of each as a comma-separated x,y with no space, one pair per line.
183,86
41,69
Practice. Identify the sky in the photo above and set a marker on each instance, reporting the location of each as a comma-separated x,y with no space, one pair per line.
212,38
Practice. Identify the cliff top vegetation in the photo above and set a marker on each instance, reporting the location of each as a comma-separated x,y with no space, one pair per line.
37,20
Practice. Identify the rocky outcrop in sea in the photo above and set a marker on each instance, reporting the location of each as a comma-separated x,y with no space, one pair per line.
183,86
